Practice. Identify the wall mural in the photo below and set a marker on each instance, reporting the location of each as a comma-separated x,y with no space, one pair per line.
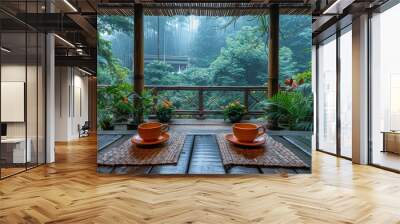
205,107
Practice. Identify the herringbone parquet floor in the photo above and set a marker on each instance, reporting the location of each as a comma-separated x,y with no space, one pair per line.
70,191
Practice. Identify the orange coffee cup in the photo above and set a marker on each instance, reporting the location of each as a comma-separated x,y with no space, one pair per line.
151,131
247,132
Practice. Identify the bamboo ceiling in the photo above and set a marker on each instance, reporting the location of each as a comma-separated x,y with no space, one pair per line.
204,9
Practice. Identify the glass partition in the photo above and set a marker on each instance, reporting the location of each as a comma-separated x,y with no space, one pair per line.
385,89
13,120
327,95
22,94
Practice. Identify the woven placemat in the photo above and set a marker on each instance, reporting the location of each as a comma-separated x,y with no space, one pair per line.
271,154
130,154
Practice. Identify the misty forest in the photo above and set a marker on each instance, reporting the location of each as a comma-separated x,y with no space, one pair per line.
205,51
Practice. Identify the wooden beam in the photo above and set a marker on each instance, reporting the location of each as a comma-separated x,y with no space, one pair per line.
90,31
138,59
273,53
81,61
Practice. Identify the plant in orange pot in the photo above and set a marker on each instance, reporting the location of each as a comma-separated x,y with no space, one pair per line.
165,111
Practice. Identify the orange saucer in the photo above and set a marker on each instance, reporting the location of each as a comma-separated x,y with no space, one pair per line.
137,140
257,142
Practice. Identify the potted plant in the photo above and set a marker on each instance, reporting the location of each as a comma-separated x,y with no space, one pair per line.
117,101
164,111
106,122
234,112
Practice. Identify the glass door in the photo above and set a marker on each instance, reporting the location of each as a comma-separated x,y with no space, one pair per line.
326,130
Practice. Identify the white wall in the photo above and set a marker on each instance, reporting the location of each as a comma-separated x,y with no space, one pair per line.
80,105
17,73
62,82
71,102
12,73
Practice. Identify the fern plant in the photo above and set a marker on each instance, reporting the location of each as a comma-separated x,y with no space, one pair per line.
292,110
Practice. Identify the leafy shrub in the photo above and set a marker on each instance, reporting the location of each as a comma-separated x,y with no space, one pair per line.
304,77
105,121
234,111
305,89
300,82
144,108
115,100
290,109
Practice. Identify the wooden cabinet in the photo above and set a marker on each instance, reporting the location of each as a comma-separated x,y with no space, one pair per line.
391,142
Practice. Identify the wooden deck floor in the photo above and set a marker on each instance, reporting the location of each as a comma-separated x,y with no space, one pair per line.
71,191
200,154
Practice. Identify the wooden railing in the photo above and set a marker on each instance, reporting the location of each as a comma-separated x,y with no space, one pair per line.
209,100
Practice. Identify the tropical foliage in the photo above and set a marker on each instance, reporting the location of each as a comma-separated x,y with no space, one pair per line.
304,77
292,108
116,101
105,121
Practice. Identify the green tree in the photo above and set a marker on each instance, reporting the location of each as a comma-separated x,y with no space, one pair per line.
155,72
298,38
113,101
110,24
287,67
295,34
209,39
197,76
243,60
109,68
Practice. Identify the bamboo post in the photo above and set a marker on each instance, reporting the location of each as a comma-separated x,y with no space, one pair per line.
273,54
138,61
